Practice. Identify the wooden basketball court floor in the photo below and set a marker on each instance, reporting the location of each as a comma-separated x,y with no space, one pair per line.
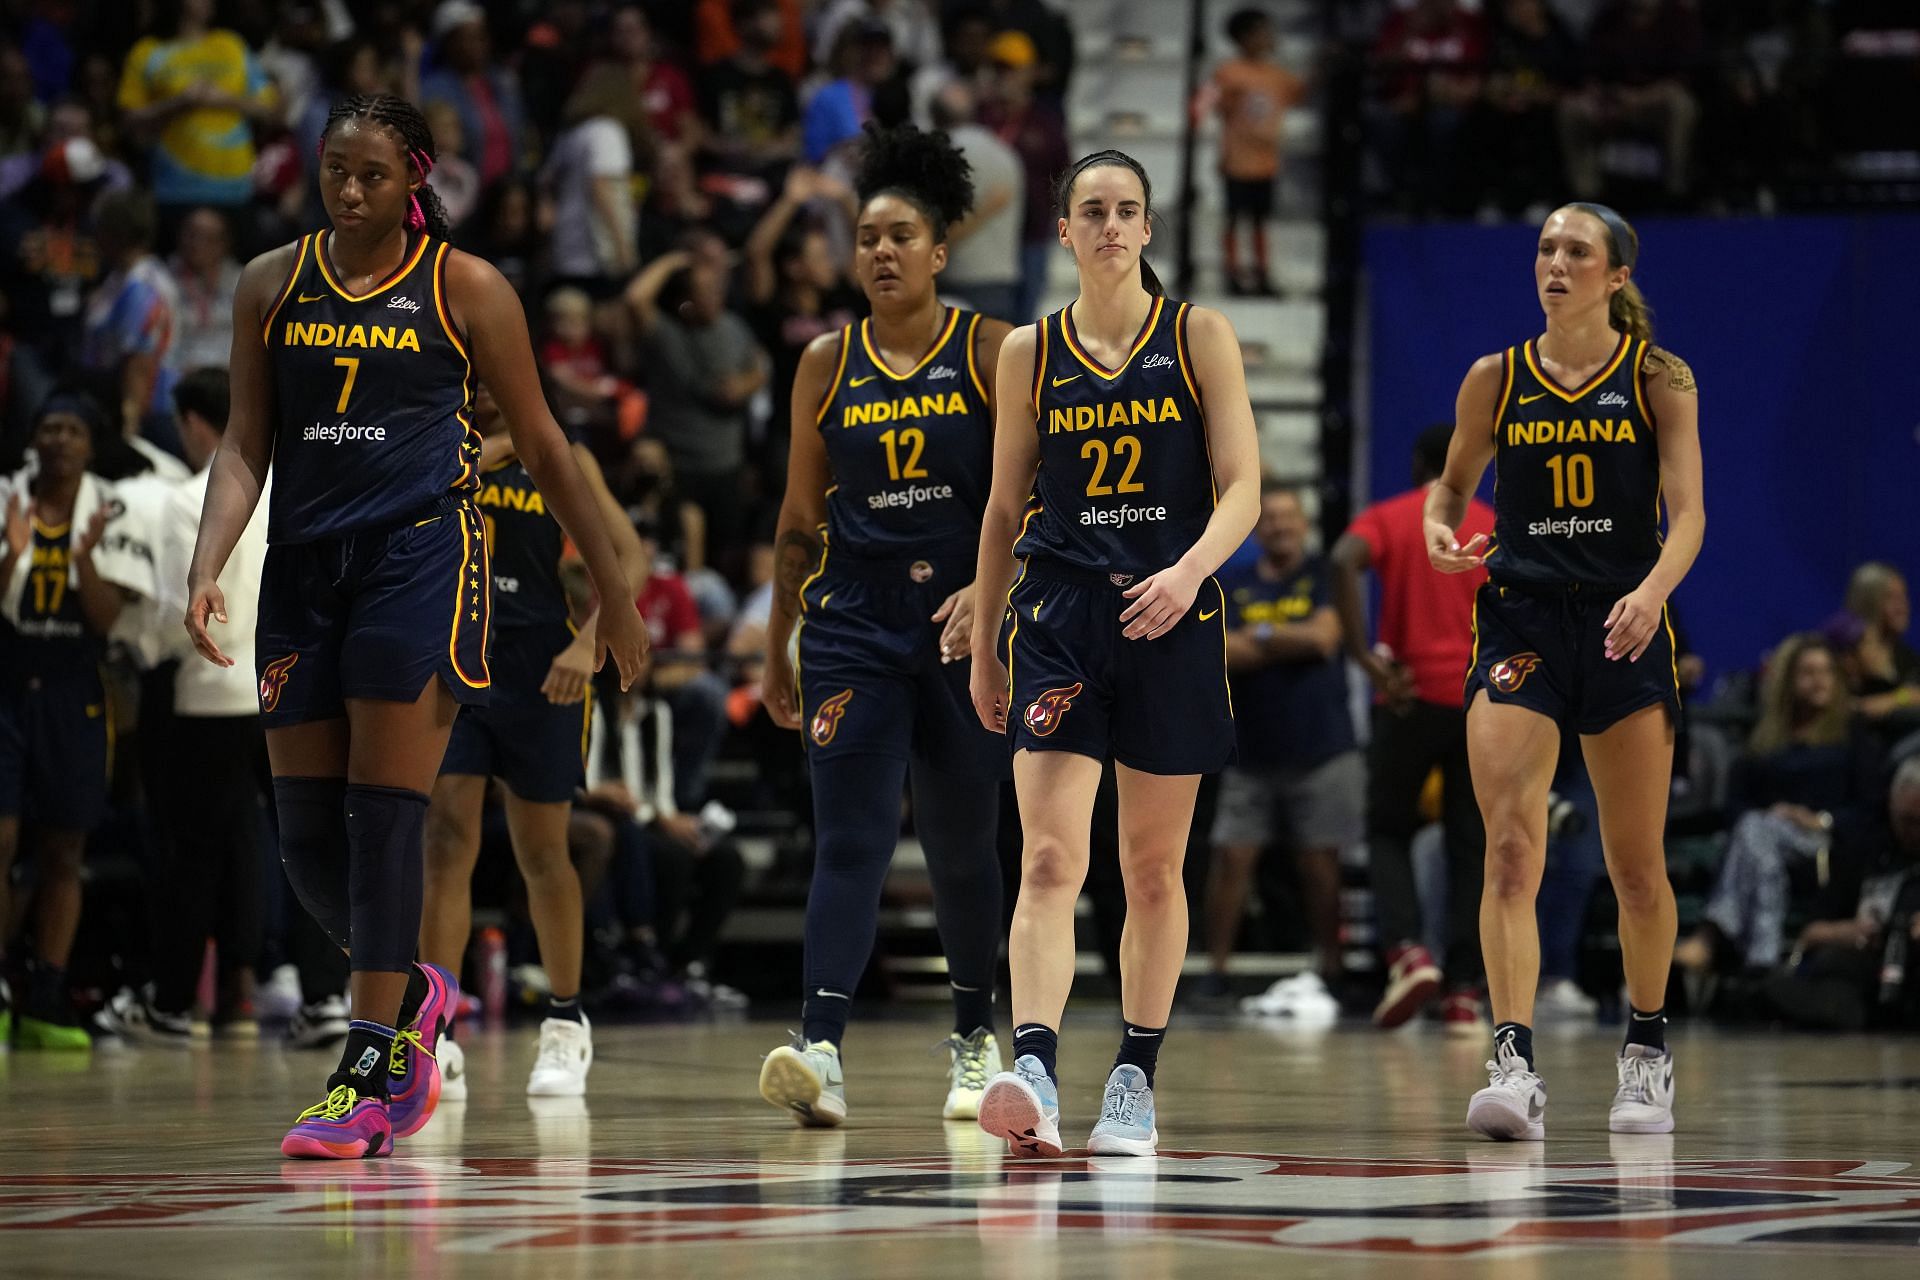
1333,1154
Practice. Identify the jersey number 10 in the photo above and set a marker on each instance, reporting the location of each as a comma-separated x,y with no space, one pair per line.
1572,479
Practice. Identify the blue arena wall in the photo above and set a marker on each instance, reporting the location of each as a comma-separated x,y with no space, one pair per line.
1804,333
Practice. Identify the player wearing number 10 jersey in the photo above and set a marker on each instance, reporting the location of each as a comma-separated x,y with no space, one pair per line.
1592,430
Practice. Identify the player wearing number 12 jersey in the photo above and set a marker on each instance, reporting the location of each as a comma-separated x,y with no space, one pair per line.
1593,430
1125,472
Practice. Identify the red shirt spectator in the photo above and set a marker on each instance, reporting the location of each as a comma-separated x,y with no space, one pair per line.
673,620
1434,37
1426,617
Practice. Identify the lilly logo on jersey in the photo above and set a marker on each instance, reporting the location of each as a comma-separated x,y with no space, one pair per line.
398,303
940,372
826,720
1611,400
273,679
1509,674
1158,360
1045,712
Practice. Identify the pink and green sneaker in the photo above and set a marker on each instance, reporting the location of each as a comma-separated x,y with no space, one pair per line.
413,1073
345,1126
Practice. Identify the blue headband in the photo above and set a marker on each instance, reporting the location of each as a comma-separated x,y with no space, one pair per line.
1625,243
83,407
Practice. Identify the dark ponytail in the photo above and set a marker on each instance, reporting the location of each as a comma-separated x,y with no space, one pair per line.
1063,199
425,211
1627,311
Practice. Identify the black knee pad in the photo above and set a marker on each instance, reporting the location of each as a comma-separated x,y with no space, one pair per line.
384,830
313,849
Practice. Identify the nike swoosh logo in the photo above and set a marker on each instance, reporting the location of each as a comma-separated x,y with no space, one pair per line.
1205,616
310,297
1061,382
831,995
1530,399
1535,1110
861,382
1142,1035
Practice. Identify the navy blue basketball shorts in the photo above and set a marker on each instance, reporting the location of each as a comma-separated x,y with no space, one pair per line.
1544,648
871,679
56,744
1158,706
538,748
375,615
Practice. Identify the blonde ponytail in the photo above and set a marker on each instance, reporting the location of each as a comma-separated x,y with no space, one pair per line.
1629,313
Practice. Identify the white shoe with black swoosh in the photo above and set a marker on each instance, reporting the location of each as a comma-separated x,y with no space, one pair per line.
1513,1106
1644,1101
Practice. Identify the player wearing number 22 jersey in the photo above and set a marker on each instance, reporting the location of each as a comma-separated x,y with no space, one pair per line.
1124,488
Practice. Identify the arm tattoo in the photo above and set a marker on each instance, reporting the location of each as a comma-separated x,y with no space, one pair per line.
1679,376
795,557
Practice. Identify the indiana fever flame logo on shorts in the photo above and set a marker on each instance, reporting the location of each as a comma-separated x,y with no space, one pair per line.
826,721
1509,675
273,678
1045,712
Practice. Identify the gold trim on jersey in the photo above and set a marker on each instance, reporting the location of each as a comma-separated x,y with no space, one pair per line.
1186,373
800,623
1591,384
1013,636
1673,647
470,446
1094,366
973,365
484,570
946,332
406,269
840,371
1639,382
293,281
1506,393
1040,363
1473,663
1226,674
46,530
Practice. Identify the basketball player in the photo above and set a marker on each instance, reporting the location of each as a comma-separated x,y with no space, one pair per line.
354,356
530,735
892,453
1126,466
1592,428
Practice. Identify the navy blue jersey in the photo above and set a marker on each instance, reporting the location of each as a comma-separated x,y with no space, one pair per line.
1576,494
372,397
525,543
1291,713
53,635
912,453
1125,484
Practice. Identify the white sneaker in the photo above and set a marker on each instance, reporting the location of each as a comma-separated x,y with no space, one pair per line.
1022,1106
319,1025
453,1070
806,1080
566,1052
1513,1106
976,1060
279,996
1562,1000
1302,999
1644,1101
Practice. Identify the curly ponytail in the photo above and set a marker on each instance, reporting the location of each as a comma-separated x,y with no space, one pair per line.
1627,311
424,211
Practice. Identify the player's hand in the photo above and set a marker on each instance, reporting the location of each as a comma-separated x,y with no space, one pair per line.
19,526
568,677
622,633
988,685
956,638
1159,601
1633,622
1446,554
779,692
1392,680
91,535
204,604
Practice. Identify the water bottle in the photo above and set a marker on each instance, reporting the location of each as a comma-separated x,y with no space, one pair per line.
493,974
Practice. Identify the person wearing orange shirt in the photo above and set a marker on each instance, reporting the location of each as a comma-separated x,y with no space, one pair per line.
1251,93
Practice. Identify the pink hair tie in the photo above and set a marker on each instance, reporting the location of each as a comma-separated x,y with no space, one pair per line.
416,217
421,161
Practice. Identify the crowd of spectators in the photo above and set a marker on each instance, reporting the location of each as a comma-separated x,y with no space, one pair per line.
1498,106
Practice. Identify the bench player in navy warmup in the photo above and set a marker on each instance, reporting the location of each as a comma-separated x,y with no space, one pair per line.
1125,465
1592,428
355,352
892,453
532,735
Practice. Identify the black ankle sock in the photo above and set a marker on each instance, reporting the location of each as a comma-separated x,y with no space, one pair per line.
823,1015
1140,1047
1038,1041
1649,1029
415,997
567,1010
363,1060
972,1009
46,990
1519,1035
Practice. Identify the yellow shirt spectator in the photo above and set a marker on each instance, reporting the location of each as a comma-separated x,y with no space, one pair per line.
194,95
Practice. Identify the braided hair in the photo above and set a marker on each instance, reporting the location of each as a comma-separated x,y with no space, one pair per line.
424,211
1063,197
924,169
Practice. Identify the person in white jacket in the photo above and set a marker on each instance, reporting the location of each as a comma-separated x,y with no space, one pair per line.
69,562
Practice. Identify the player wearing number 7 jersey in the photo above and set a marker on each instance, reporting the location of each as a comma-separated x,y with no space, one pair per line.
1125,465
1593,429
